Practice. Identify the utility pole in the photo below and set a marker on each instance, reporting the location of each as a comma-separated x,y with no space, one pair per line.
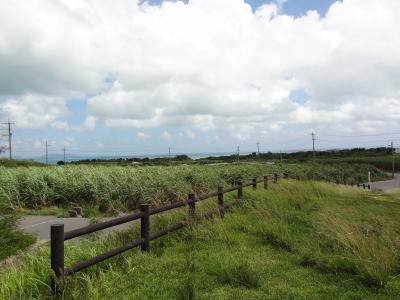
392,146
169,155
258,149
238,154
313,145
64,153
47,154
8,124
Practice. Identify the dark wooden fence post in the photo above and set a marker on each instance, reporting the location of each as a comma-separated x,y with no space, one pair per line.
192,208
364,186
221,202
57,254
145,227
266,182
254,183
275,178
240,189
369,186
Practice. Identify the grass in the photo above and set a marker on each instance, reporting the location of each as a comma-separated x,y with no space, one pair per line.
12,240
302,240
123,188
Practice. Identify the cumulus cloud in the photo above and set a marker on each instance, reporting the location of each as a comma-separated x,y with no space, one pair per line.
34,111
206,64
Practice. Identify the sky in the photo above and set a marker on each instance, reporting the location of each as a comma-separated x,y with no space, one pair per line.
132,77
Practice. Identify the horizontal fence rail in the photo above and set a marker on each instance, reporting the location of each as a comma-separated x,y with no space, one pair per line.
58,236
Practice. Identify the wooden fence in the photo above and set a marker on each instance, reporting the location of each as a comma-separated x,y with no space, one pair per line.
58,236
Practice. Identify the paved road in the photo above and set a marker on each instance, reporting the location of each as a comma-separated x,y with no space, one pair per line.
387,184
40,225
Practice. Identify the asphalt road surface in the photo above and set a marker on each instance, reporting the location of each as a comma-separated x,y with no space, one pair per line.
40,225
387,184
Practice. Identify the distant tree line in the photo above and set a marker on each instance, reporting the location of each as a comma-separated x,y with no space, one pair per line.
265,156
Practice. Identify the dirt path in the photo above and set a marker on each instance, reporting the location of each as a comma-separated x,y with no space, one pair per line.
40,225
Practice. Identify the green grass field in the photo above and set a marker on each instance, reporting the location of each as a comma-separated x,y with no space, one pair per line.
299,240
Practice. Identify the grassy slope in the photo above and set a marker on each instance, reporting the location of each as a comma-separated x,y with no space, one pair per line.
297,241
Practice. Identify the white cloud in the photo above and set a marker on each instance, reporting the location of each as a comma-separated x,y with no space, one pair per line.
242,132
88,125
60,125
207,64
33,111
141,136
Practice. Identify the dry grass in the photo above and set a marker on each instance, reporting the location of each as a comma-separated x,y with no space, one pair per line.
373,244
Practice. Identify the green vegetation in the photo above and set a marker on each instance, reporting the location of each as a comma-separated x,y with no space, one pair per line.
299,240
116,188
11,239
383,162
381,158
157,161
378,157
19,163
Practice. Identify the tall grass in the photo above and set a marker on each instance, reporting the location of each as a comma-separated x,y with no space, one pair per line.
124,187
